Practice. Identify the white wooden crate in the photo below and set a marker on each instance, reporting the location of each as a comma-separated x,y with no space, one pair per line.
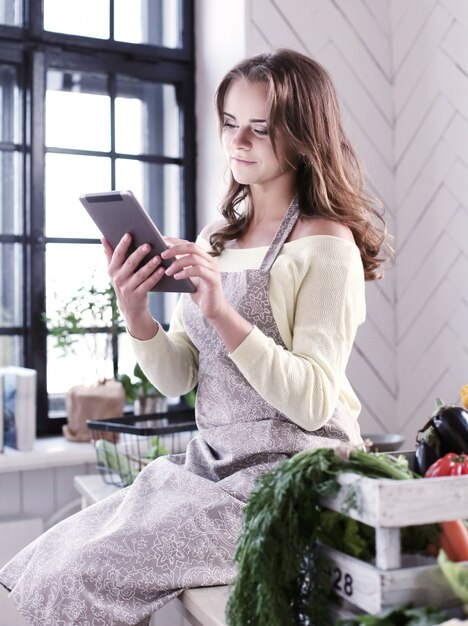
389,505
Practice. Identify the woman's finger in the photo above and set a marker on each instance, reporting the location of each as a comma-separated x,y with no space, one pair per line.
189,259
208,274
129,278
127,267
122,247
172,241
182,247
108,250
146,281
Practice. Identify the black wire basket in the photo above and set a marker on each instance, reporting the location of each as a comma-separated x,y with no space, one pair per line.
125,445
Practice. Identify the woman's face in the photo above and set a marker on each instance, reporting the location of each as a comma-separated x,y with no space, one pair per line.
245,137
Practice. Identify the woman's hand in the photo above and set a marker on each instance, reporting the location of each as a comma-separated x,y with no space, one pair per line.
190,261
131,285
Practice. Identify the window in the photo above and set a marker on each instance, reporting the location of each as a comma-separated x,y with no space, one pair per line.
87,105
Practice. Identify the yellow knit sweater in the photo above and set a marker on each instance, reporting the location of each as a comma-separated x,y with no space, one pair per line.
317,298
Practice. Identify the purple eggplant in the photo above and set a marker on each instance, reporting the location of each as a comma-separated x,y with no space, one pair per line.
428,448
451,426
446,431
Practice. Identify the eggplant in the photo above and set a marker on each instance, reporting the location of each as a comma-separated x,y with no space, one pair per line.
451,426
446,431
428,448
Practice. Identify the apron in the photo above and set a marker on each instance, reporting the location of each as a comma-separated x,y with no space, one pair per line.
176,527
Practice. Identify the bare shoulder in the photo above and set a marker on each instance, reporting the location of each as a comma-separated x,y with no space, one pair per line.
321,226
209,229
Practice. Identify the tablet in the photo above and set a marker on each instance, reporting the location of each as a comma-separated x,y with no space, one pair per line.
118,212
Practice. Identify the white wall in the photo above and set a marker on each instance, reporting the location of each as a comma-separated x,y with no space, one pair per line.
400,68
14,536
430,95
32,501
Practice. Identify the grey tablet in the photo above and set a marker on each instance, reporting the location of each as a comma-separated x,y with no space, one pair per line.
118,212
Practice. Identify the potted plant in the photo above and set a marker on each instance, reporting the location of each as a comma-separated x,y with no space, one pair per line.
140,392
89,309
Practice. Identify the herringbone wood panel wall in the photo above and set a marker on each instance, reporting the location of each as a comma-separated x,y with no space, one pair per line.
401,71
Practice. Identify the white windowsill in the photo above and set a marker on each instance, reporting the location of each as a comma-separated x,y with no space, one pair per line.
48,452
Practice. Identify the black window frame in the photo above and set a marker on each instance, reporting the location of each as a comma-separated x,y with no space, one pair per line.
33,51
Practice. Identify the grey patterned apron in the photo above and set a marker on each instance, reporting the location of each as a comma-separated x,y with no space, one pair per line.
176,527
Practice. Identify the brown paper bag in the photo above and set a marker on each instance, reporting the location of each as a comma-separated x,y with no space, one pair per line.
100,401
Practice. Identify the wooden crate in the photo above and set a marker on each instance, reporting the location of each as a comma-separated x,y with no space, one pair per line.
388,505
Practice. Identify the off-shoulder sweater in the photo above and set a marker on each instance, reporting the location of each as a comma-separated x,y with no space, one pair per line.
317,298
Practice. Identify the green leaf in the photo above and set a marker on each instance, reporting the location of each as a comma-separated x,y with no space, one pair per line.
138,388
108,456
156,449
88,307
347,535
190,398
456,575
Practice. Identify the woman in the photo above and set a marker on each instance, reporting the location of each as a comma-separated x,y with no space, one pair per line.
267,336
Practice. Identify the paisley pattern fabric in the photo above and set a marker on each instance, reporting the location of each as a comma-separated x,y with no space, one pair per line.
176,527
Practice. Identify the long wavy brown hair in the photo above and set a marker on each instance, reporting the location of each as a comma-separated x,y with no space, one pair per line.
305,120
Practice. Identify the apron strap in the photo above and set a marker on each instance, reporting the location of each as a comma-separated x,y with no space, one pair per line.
284,230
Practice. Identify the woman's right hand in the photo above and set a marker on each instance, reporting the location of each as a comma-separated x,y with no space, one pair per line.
131,287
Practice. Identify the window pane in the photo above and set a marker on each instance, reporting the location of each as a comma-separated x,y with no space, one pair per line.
9,105
84,364
11,294
155,22
11,12
127,357
77,111
70,267
89,18
11,217
67,177
72,271
11,348
147,118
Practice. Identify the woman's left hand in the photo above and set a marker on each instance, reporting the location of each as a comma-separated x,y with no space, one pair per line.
190,261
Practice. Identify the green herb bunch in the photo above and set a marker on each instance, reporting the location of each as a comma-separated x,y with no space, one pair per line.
281,580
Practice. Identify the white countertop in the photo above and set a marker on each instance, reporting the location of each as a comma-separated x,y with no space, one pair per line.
207,604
